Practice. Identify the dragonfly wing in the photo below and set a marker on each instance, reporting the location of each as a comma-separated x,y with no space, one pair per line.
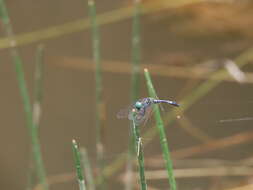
139,119
149,112
142,116
124,113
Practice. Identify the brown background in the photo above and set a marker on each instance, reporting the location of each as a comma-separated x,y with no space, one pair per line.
185,36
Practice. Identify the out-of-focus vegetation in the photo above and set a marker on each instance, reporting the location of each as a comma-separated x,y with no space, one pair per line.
198,51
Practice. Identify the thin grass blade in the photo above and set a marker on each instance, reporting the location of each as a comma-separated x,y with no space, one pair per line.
140,155
87,169
38,85
33,132
135,85
163,139
79,171
100,107
38,76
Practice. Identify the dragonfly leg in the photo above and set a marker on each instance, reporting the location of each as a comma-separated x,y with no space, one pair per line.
139,146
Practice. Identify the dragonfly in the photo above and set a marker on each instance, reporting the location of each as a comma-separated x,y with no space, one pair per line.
141,110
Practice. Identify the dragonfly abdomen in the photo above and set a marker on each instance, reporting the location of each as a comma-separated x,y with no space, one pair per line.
166,101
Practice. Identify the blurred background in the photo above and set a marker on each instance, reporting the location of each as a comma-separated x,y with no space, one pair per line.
184,44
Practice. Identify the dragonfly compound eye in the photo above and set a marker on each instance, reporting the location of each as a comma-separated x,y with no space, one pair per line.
138,105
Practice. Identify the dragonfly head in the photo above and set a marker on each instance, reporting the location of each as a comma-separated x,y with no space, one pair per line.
138,105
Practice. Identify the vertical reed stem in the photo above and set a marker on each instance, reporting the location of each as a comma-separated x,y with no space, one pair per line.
136,52
79,171
100,112
38,86
160,127
33,132
38,89
140,155
135,86
87,169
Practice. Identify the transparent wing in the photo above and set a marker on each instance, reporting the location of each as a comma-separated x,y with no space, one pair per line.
142,116
149,113
123,113
126,112
139,117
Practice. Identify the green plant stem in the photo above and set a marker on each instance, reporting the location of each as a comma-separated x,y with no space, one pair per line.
135,86
136,52
163,139
31,177
38,76
33,132
87,169
99,115
140,155
79,172
38,85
